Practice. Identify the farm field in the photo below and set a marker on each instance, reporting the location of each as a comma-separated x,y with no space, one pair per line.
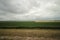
28,24
29,34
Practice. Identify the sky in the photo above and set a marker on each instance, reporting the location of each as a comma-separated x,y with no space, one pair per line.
22,10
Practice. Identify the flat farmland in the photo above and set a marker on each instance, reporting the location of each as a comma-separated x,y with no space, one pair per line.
29,34
28,24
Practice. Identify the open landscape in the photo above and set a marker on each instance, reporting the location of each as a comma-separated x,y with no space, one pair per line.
29,19
30,24
29,30
29,34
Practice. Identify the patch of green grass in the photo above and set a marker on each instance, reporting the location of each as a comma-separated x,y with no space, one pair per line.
28,24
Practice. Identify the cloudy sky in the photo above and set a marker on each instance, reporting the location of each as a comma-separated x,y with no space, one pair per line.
29,10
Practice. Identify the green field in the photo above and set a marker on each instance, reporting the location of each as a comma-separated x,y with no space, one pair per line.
29,24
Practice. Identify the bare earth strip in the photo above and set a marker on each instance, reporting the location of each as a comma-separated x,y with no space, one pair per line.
29,34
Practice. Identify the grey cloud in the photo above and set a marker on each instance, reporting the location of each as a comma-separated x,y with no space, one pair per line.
29,9
18,6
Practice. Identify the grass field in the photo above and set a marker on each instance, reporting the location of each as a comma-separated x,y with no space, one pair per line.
29,30
28,24
29,34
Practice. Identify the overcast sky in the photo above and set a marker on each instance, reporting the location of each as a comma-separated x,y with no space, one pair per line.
29,10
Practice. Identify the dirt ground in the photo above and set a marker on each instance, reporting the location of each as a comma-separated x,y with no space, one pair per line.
29,34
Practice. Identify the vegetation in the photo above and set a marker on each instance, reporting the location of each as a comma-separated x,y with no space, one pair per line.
29,34
29,24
